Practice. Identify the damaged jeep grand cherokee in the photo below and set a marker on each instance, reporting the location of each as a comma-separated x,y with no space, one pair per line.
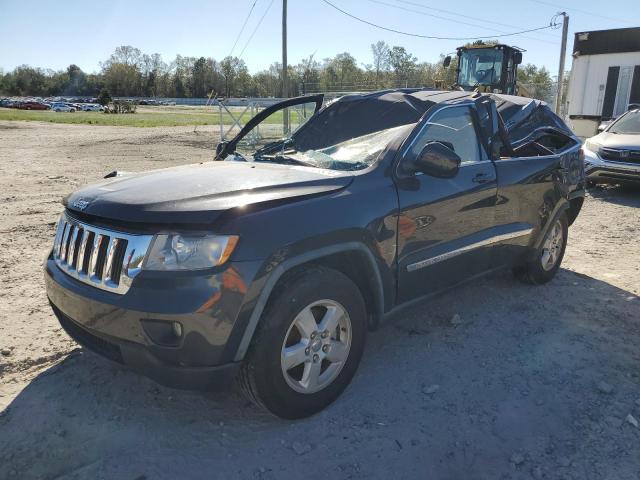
271,263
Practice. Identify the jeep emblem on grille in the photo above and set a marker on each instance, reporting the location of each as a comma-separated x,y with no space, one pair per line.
80,204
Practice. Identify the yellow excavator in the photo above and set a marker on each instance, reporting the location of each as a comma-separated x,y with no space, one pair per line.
488,68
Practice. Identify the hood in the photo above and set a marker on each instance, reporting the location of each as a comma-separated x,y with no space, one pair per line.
198,194
618,140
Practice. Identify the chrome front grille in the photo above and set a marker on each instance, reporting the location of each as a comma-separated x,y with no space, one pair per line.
105,259
620,155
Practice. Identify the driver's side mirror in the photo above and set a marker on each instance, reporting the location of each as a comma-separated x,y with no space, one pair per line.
447,61
437,159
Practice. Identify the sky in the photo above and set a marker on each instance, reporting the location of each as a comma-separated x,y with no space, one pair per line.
54,34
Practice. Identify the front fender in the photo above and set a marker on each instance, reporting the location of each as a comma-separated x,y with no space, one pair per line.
273,271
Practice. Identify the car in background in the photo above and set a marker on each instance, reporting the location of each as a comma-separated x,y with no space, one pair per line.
62,107
89,107
32,105
613,156
605,123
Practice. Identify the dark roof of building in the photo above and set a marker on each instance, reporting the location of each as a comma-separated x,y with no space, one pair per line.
619,40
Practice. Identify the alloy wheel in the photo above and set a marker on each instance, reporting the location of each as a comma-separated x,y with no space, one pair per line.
552,247
316,346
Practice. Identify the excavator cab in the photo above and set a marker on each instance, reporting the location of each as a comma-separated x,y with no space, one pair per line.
487,68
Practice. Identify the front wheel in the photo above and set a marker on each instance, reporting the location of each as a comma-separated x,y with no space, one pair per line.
308,345
547,262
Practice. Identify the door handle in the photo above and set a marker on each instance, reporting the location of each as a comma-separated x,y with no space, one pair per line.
482,178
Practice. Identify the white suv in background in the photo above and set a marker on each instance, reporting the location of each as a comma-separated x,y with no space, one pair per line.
613,156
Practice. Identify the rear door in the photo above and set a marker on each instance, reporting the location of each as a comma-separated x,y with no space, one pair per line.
445,225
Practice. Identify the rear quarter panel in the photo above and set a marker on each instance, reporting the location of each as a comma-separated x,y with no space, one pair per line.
533,189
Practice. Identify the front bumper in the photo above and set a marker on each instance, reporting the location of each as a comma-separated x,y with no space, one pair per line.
208,306
605,171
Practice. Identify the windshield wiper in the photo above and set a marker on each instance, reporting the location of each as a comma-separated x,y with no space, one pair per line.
281,144
284,159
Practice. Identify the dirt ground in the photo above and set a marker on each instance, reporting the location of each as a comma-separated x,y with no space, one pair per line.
532,382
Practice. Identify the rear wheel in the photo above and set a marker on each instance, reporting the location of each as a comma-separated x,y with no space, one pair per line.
308,345
549,258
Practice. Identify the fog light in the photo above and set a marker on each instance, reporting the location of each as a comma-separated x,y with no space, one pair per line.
177,329
165,333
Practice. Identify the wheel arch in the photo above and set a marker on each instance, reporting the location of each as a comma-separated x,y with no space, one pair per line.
561,207
575,205
353,259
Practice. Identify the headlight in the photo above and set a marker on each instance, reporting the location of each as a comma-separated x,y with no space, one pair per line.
189,251
592,146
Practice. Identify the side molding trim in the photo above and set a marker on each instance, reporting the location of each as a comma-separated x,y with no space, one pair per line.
467,248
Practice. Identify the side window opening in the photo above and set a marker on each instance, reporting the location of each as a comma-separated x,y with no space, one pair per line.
546,142
454,127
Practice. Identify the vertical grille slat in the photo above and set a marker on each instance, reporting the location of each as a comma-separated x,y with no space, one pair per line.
102,257
95,250
118,260
81,251
67,243
96,256
65,235
72,248
88,251
111,248
59,231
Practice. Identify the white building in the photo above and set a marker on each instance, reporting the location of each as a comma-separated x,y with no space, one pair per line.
605,77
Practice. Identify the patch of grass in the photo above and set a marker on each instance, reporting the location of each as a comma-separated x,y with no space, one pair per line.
145,117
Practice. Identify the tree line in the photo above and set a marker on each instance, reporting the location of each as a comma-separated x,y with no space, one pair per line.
129,72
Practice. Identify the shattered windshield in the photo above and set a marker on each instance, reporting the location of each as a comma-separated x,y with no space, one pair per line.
354,154
349,133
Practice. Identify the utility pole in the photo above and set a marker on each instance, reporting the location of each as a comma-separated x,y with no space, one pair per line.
285,83
563,51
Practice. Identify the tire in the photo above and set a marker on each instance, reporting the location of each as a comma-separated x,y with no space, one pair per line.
292,392
547,262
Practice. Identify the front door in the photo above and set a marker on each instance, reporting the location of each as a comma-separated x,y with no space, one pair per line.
445,225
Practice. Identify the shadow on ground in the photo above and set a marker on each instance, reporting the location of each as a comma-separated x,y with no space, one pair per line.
624,195
511,392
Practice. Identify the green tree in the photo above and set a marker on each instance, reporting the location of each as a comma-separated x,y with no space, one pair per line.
104,98
199,78
76,80
535,82
381,60
232,69
403,64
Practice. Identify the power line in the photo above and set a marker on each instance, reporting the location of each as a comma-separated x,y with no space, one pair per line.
449,12
431,36
578,10
460,22
256,29
243,26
